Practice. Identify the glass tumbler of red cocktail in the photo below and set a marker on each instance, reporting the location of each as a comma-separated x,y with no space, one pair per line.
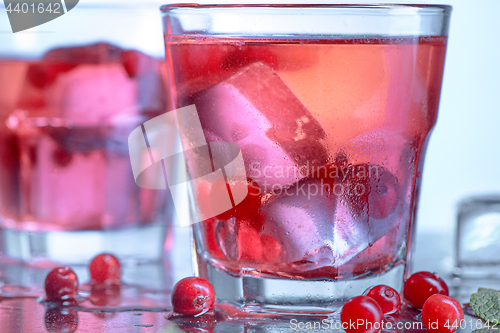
331,107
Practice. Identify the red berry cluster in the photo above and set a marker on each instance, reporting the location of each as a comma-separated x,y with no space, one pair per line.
427,291
423,290
190,296
61,284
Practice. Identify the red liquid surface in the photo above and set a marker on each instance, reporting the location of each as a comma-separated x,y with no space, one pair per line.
352,114
64,124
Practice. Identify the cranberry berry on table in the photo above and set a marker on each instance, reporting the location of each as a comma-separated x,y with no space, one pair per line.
61,284
423,290
388,298
105,268
361,314
442,314
421,285
193,296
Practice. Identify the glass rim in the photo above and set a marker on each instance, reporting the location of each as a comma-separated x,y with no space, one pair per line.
435,8
299,20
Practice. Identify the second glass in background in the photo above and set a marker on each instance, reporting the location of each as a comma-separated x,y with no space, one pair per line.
70,99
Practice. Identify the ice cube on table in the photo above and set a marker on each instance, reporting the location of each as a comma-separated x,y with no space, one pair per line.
91,94
476,242
256,110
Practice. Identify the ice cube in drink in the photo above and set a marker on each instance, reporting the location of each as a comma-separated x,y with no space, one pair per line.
255,109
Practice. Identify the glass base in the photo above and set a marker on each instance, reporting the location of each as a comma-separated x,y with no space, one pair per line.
131,245
298,297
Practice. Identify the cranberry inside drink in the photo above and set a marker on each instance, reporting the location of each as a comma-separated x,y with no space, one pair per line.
333,134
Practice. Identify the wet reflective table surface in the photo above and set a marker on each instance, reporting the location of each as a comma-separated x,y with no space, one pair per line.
143,302
26,315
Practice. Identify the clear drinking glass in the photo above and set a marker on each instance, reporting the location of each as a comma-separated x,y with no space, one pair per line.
331,107
73,90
